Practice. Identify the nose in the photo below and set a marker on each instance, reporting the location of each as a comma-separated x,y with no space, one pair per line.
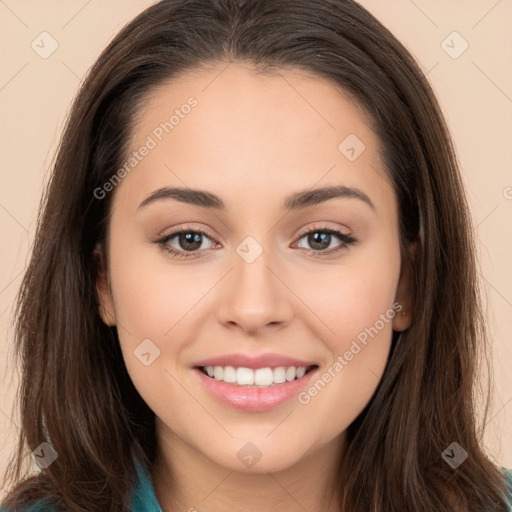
254,296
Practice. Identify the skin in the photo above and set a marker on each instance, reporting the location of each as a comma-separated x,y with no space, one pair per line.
247,132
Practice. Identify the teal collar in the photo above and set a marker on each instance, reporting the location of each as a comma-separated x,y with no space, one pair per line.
144,497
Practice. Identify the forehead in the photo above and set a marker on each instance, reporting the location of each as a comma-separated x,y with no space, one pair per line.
263,132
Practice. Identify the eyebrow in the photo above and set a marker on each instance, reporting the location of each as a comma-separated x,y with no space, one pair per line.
296,201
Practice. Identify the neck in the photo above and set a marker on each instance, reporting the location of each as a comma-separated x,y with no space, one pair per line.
186,480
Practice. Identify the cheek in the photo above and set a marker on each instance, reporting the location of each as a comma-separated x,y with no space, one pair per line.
150,304
151,294
358,306
355,297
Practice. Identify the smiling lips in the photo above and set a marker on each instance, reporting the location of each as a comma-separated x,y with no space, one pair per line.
254,383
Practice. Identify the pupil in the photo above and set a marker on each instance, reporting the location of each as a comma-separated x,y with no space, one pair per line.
320,240
190,238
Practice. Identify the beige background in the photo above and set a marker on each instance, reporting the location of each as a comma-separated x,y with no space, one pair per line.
475,91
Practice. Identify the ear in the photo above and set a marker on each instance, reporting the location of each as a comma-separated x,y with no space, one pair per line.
404,292
102,284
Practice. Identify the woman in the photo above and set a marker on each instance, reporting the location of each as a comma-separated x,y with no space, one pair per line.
316,347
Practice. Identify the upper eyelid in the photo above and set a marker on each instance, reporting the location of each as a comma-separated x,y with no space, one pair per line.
322,227
185,229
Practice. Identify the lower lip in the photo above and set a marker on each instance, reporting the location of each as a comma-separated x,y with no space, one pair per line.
254,399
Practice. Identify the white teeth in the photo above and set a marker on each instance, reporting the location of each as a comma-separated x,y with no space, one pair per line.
218,372
280,375
244,376
261,377
229,374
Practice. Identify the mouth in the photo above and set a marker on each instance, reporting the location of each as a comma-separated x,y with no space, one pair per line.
266,377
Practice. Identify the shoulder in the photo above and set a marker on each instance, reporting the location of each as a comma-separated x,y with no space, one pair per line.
144,495
143,498
508,477
30,501
34,494
36,506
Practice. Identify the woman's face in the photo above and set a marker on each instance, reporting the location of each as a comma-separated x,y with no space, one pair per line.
257,284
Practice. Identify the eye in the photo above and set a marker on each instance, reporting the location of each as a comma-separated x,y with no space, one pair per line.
189,240
320,239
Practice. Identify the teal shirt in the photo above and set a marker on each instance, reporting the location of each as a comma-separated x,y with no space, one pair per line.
144,497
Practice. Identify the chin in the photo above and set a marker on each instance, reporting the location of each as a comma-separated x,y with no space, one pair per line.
253,460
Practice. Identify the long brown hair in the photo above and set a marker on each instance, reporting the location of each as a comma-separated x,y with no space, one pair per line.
75,392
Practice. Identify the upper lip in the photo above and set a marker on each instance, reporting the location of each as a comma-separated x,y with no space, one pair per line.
254,362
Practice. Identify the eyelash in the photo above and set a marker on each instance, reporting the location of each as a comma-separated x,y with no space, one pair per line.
163,242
